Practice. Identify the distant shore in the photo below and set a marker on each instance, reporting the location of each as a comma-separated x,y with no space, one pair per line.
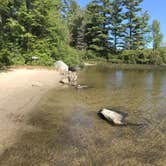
20,90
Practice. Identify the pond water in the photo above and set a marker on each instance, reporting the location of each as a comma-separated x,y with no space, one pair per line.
67,131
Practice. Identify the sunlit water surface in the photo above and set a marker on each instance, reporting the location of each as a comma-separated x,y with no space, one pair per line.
68,132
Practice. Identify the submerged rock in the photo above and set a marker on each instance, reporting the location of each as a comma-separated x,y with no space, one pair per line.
81,86
64,81
70,78
115,117
74,69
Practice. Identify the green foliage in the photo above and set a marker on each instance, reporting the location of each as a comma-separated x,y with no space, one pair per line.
163,54
67,54
90,54
136,25
117,27
155,58
114,58
72,58
148,56
157,36
60,29
96,30
18,60
34,28
129,56
4,58
43,59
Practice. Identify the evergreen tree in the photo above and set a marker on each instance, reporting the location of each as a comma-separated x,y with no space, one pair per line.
73,21
116,24
81,44
96,30
136,25
156,34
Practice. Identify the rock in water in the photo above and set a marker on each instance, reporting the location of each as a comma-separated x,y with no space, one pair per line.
74,68
72,77
61,66
115,117
64,81
81,86
69,78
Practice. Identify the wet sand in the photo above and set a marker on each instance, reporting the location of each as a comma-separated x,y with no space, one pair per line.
20,90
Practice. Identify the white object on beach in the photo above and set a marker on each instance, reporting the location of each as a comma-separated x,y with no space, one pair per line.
61,66
35,58
37,84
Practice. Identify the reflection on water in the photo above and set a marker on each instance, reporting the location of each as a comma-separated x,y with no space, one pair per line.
67,130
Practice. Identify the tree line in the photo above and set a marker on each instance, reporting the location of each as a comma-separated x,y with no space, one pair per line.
116,30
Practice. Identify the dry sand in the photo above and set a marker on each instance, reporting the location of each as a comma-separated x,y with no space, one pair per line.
20,91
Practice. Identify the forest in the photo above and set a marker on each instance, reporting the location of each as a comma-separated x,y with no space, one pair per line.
117,31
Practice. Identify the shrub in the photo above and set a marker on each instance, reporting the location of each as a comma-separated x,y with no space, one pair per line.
90,54
69,55
155,58
5,58
18,60
114,58
129,56
43,59
163,54
142,57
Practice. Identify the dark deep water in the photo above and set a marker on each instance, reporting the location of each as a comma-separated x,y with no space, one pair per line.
67,132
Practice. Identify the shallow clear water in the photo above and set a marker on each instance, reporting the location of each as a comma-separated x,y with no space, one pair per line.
67,131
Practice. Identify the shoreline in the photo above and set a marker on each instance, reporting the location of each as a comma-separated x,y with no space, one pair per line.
21,89
124,65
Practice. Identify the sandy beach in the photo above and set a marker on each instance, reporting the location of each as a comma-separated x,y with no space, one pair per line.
20,91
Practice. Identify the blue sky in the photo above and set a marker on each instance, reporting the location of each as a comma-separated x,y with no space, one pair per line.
156,9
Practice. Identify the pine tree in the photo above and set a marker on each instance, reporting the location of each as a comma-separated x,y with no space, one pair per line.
96,30
74,18
81,44
136,25
116,24
73,21
156,34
